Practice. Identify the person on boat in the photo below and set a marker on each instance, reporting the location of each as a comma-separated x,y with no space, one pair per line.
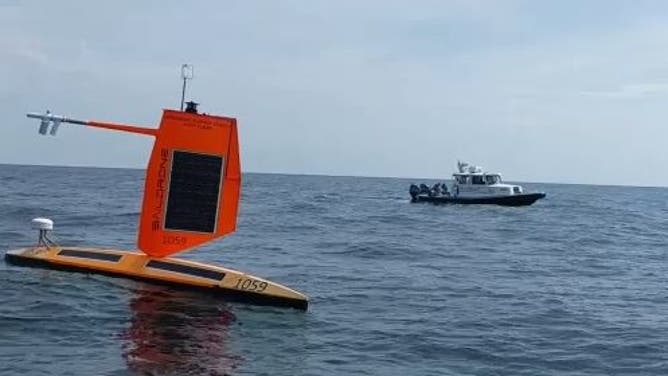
435,190
444,189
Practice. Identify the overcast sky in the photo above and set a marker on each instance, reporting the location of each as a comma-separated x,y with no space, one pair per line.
559,91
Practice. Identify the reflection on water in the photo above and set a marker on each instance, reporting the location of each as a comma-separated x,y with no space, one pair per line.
178,333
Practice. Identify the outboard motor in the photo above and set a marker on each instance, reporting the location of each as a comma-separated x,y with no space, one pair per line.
414,190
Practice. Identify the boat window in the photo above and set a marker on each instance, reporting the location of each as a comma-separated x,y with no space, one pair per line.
492,179
461,179
477,179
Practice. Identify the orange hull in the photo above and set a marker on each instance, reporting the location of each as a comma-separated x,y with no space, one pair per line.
235,285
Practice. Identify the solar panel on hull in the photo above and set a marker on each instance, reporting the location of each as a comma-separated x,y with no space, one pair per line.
90,255
186,269
194,189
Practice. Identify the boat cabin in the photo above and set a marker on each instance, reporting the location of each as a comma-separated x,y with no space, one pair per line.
478,179
473,181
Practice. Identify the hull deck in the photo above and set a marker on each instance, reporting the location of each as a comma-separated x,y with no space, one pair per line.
231,284
511,200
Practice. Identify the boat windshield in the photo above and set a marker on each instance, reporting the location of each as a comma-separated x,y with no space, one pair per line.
492,179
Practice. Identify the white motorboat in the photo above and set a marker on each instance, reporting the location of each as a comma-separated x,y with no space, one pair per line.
471,185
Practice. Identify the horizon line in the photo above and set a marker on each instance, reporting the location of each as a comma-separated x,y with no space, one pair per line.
332,175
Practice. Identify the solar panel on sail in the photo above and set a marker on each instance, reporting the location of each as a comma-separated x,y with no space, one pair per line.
193,193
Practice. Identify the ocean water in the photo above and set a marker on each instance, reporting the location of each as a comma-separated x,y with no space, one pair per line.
576,284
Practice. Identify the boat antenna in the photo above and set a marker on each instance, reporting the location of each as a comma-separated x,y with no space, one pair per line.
187,73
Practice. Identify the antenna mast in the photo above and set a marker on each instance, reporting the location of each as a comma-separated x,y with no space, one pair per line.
187,73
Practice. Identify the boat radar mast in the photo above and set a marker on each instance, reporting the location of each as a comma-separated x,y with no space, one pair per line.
191,197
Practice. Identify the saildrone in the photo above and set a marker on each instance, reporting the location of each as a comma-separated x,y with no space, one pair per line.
191,197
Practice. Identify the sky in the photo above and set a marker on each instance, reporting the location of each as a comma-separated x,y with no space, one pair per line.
559,91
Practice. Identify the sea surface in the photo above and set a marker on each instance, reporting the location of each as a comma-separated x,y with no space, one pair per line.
576,284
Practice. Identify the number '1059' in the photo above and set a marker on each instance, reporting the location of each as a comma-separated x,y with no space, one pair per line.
249,284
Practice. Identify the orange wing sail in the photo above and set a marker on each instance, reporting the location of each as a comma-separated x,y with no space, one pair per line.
191,193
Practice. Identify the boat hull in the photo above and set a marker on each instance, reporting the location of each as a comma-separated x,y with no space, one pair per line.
523,199
229,284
